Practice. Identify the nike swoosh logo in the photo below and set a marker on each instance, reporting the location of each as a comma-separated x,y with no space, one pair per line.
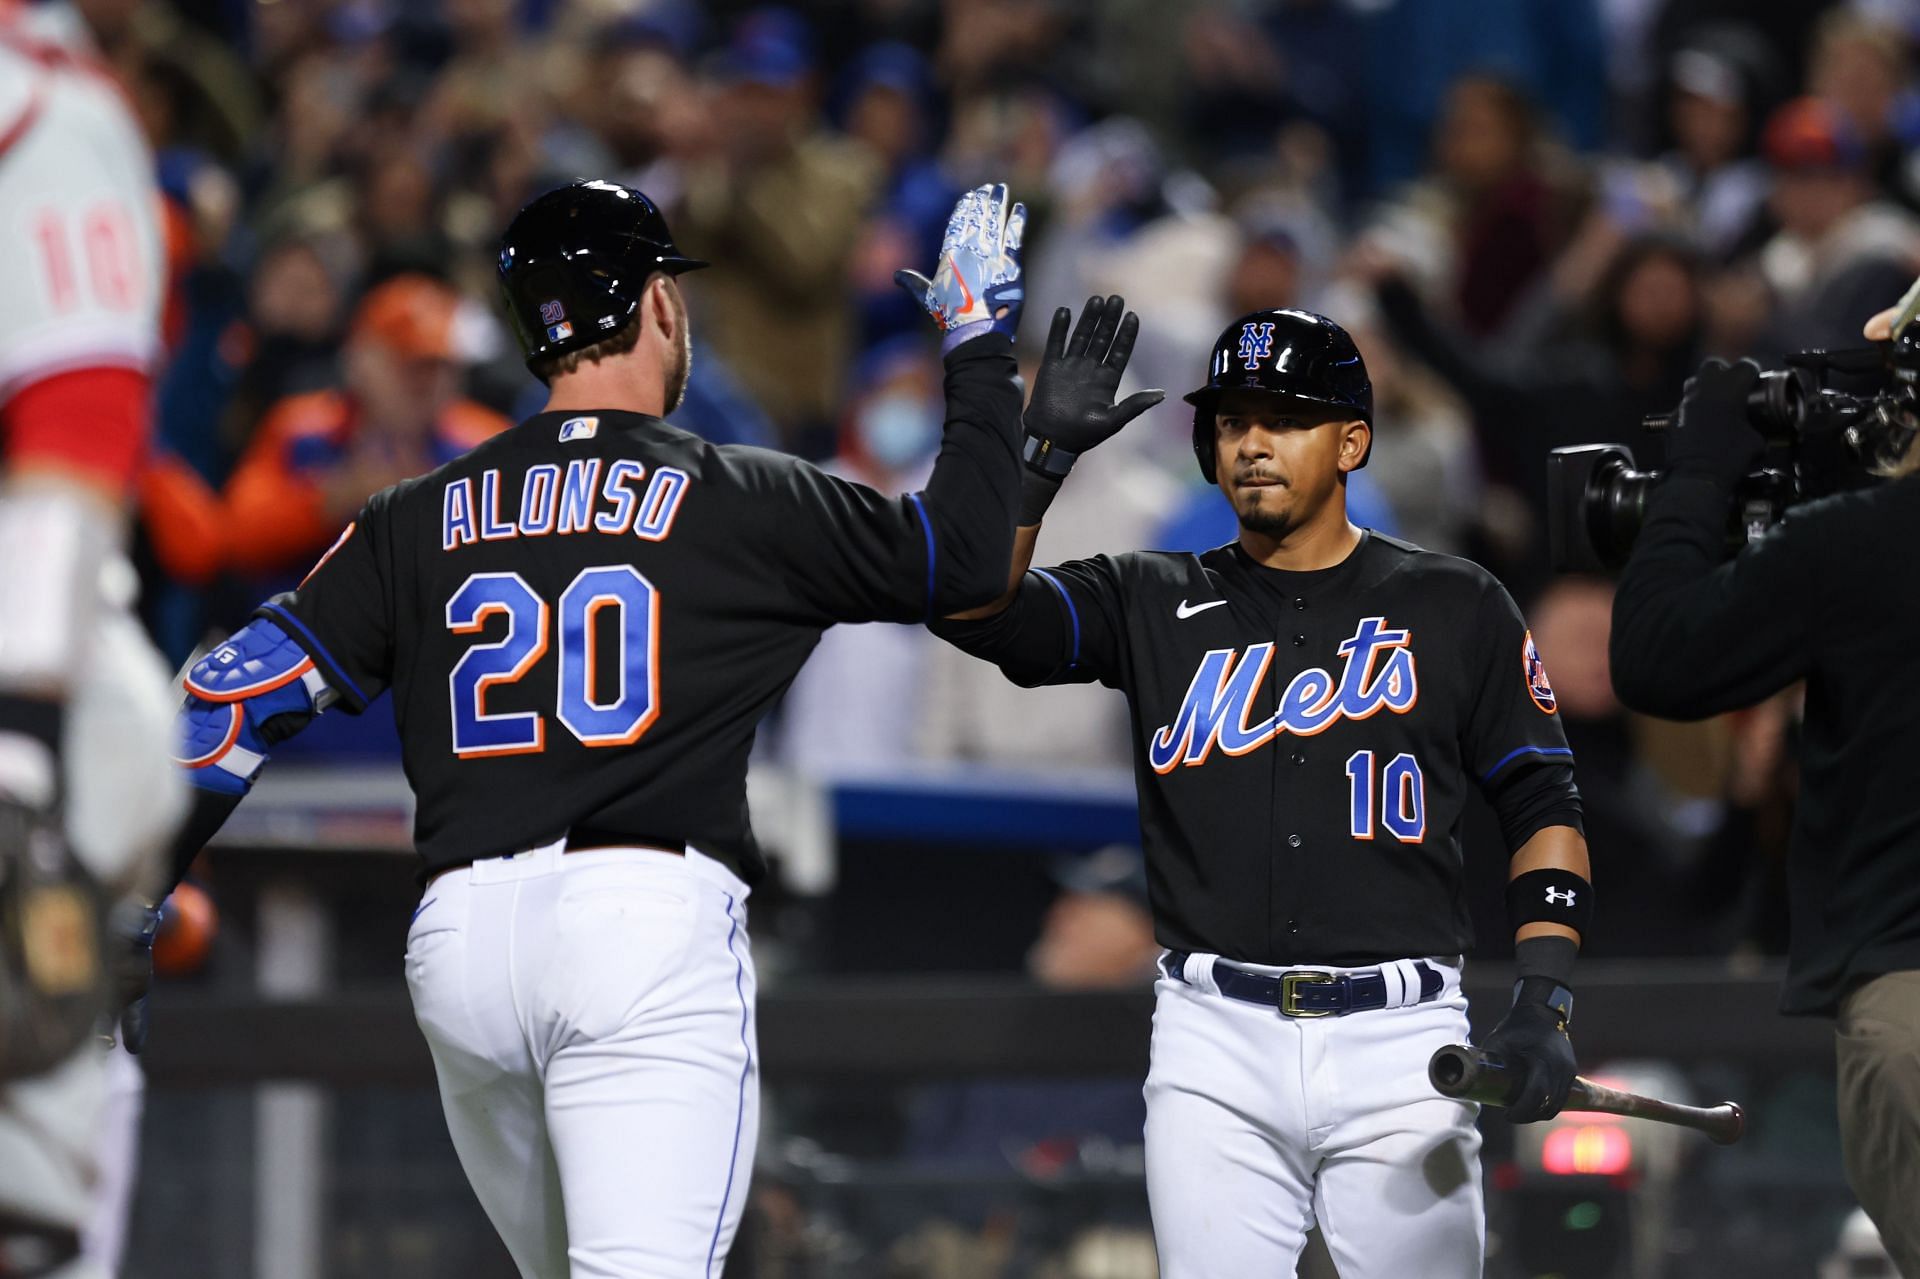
1187,610
966,294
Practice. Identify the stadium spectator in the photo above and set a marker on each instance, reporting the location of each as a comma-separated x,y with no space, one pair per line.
1630,356
857,704
1843,249
886,103
1506,222
317,457
647,110
1424,468
1721,186
777,208
1862,65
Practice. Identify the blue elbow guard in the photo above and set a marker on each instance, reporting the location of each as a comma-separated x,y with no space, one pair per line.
257,676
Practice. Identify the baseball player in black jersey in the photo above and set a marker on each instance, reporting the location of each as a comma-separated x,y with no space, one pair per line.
581,622
1310,705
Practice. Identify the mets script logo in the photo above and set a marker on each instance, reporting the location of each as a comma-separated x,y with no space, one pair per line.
552,312
1537,684
1379,674
1256,342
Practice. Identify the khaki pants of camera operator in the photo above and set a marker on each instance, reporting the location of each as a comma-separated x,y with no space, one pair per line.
1877,1044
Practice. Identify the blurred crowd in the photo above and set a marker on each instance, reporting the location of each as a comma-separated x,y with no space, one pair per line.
1536,219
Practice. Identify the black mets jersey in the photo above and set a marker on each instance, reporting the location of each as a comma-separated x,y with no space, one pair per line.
583,620
1303,741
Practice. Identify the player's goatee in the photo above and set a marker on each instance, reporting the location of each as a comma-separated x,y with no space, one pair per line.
1256,518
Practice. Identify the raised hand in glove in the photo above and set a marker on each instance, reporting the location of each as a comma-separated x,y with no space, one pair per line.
976,287
1711,437
1073,408
1532,1039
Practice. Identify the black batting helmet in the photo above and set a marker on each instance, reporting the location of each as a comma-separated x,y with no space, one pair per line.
573,263
1293,353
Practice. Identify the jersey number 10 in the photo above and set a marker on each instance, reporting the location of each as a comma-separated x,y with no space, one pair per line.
1403,801
617,721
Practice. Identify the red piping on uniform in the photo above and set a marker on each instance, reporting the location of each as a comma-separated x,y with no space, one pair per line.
18,129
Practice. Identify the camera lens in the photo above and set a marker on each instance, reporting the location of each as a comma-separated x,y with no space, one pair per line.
1777,405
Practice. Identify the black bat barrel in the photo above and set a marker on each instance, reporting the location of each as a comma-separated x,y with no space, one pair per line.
1460,1071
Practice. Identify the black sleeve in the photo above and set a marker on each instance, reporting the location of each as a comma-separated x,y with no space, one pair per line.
1695,634
1532,794
342,613
1065,626
1513,718
856,555
207,814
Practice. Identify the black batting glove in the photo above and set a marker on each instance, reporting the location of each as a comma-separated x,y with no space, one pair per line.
1532,1041
1072,408
1711,437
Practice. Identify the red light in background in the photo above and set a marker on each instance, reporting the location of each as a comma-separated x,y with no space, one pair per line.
1506,1176
1592,1149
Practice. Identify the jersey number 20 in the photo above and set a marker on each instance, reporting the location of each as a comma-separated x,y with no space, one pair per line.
1403,801
617,721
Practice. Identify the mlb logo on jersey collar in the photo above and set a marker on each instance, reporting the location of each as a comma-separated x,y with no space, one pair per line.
579,428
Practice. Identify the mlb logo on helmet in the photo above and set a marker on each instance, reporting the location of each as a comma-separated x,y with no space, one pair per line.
1536,671
559,332
1256,343
553,314
579,428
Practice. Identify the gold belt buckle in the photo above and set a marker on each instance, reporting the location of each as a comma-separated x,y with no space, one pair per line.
1290,984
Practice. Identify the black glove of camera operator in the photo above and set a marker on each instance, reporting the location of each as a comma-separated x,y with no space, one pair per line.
1072,409
1711,437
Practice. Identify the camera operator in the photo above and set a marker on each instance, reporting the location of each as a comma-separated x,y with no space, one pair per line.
1830,595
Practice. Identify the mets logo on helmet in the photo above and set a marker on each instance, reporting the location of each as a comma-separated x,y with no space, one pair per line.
1537,686
1256,342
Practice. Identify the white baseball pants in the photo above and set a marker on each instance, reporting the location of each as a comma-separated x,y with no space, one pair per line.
1259,1125
591,1021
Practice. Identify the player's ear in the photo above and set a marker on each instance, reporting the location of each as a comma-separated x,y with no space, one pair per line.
657,302
1355,436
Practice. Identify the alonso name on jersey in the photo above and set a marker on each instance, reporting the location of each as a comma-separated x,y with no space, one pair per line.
577,500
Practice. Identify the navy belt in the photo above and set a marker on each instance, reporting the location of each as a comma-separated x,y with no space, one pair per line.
1305,992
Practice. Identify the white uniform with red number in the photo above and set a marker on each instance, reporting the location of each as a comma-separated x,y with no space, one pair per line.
81,271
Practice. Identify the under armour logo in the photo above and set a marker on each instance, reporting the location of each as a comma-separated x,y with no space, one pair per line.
1559,897
1256,343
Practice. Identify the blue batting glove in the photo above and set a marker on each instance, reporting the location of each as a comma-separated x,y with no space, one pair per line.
976,288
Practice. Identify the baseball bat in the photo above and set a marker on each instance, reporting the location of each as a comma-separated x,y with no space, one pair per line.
1471,1075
